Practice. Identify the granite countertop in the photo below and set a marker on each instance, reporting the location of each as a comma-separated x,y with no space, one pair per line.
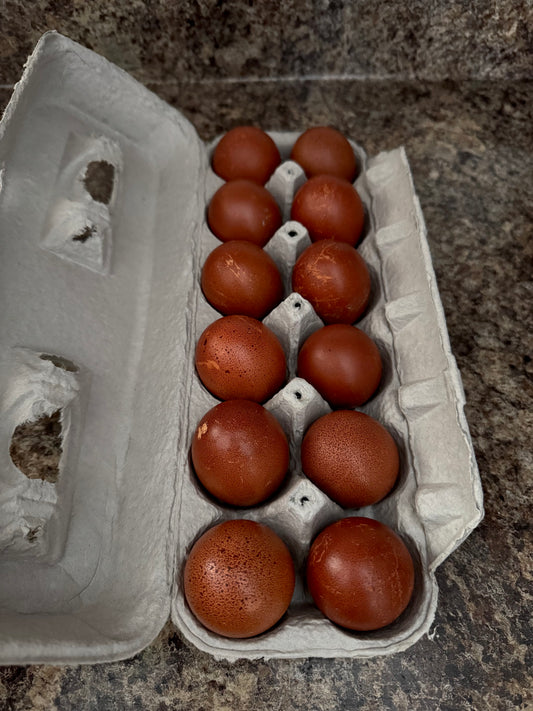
470,147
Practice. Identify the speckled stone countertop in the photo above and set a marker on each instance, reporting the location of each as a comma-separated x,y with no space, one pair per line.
470,147
157,39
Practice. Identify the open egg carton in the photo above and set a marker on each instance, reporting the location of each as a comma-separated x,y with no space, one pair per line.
102,308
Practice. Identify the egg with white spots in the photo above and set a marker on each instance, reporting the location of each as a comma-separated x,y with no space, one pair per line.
238,357
240,452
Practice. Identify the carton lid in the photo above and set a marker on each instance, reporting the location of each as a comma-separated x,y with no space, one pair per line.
98,201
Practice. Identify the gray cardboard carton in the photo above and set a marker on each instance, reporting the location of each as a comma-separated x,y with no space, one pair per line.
101,311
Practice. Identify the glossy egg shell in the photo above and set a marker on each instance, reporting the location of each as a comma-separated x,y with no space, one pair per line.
342,363
334,278
241,278
239,578
246,152
323,150
243,210
240,452
351,457
237,357
360,573
330,208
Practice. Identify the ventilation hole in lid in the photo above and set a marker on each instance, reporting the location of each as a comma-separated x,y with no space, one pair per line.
84,235
303,500
99,180
298,395
292,233
59,362
297,304
36,447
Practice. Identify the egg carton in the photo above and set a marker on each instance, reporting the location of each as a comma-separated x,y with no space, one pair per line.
102,308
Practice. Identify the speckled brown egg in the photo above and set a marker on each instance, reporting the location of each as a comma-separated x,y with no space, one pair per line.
351,457
243,210
246,152
241,278
240,452
360,574
342,363
239,358
239,578
334,278
323,150
330,208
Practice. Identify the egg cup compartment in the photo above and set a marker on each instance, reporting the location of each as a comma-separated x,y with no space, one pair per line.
126,310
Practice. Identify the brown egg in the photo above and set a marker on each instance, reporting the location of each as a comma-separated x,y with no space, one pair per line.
237,357
242,210
246,152
360,574
330,208
351,457
240,278
335,279
239,578
240,452
325,151
342,363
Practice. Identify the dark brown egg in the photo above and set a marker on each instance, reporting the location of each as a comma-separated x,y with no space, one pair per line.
351,457
325,151
335,279
342,363
246,152
242,210
239,578
238,358
240,452
330,208
360,574
240,278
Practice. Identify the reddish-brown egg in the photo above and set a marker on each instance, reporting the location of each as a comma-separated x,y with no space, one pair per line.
241,278
246,152
237,357
360,574
335,279
239,578
330,208
342,363
325,151
243,210
240,452
351,457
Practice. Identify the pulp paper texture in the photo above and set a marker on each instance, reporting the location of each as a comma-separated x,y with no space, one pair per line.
102,311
